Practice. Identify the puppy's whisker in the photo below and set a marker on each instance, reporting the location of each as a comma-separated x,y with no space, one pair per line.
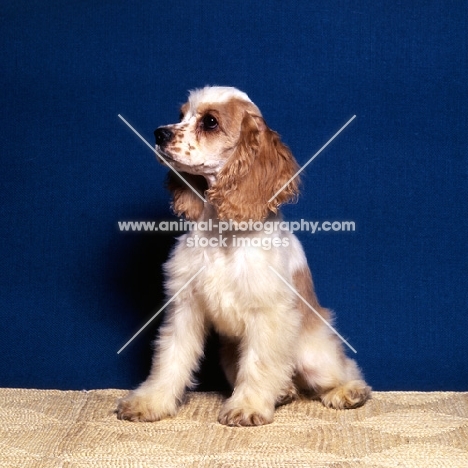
163,159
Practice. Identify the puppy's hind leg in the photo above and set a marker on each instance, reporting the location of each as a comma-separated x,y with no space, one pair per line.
323,367
321,364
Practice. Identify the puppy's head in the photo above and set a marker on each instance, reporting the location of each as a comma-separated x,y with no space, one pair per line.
229,153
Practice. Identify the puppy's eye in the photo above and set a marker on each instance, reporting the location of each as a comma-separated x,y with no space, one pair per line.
209,122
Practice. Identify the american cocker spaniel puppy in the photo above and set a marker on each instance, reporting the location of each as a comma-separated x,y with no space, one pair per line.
260,300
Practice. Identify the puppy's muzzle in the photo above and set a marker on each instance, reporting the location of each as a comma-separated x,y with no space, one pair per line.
163,136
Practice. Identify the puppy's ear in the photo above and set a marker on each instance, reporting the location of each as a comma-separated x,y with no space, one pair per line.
258,169
185,202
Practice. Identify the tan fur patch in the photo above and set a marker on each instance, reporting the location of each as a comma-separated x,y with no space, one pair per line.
258,168
304,285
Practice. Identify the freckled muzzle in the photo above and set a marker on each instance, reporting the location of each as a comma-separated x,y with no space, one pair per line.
163,136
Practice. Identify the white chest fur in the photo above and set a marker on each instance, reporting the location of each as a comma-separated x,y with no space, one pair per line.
233,276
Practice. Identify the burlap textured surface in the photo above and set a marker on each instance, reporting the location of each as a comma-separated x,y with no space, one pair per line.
49,428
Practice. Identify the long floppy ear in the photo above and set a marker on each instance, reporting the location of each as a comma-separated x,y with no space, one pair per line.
185,202
259,168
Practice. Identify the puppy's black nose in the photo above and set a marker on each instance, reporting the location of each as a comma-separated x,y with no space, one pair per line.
163,135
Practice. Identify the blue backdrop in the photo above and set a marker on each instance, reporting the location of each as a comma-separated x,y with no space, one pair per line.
74,289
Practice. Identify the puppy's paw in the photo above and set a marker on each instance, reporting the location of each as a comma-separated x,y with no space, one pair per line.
350,395
145,408
232,415
287,396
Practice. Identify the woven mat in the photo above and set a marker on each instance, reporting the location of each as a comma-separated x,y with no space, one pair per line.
49,428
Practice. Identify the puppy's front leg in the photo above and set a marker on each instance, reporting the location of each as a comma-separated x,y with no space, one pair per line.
265,368
177,353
